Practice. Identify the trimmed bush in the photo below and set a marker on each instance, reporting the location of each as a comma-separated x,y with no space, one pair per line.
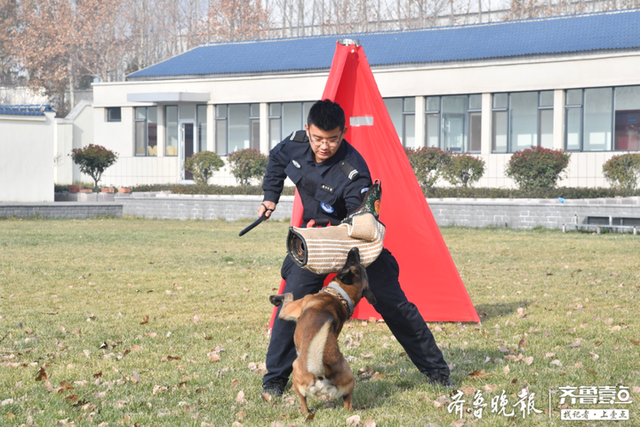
428,163
537,167
248,164
463,170
202,165
93,160
623,171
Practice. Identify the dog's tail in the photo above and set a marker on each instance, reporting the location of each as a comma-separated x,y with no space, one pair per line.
315,363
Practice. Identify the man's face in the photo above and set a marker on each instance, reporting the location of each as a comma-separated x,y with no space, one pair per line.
324,143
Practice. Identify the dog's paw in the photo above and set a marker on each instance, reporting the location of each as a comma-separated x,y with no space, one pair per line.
276,300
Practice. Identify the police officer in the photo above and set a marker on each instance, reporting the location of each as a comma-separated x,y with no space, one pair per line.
332,178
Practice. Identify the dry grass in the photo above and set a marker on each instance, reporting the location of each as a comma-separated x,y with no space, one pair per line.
134,314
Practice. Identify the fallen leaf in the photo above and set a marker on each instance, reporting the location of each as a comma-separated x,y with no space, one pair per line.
635,342
240,415
635,389
310,417
353,420
234,383
48,386
214,357
72,398
520,313
615,328
547,355
506,369
523,342
594,356
458,423
135,378
575,344
528,360
98,375
556,362
266,396
503,349
479,374
145,320
41,375
468,390
240,397
159,389
64,385
86,353
369,423
578,365
590,371
490,388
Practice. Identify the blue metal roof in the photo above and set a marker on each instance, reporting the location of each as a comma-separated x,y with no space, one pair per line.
544,36
25,110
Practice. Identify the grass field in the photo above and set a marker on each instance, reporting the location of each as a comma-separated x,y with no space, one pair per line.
163,323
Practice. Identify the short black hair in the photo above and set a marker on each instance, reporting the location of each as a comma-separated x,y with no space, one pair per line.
326,115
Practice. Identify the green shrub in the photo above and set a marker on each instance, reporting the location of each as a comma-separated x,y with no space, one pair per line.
623,171
202,165
463,170
93,160
537,167
248,164
428,163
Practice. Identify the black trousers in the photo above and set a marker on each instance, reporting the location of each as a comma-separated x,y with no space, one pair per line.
400,315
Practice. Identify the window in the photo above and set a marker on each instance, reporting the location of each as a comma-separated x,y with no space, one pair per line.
627,118
146,131
114,114
454,123
403,116
202,127
286,118
171,130
500,111
589,119
237,127
522,120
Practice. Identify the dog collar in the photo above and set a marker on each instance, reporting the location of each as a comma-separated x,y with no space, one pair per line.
339,293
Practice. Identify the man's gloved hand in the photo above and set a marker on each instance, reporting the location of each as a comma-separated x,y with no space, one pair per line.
266,208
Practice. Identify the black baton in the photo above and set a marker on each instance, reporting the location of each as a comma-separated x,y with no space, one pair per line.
253,225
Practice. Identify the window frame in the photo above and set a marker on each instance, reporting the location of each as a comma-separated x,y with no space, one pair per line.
146,122
109,117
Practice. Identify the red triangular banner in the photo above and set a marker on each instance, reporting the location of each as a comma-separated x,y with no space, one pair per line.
428,275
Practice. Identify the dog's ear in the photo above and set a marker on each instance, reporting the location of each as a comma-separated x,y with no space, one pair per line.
371,298
346,277
276,300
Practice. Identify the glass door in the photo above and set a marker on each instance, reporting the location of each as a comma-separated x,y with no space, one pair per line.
187,146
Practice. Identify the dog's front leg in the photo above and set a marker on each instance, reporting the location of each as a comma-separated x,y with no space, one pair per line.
347,402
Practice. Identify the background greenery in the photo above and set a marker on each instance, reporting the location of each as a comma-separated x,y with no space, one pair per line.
134,314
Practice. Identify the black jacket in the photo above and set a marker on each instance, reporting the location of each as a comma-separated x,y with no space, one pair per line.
329,190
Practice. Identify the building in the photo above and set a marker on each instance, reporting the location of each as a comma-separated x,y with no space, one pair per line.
568,83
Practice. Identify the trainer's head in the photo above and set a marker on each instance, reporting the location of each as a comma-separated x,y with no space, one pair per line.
325,129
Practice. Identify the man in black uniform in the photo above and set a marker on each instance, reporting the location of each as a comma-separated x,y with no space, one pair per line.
332,178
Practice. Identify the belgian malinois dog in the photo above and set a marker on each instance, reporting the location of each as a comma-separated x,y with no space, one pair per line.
320,368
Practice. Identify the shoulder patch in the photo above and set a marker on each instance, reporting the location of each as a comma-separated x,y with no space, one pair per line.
351,172
298,136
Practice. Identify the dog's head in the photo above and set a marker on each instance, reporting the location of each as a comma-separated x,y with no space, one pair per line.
353,278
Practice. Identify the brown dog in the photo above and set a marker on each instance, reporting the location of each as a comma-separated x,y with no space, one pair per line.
320,367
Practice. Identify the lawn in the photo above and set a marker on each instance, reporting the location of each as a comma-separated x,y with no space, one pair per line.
163,323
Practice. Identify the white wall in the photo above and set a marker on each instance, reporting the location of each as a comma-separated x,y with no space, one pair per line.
26,159
479,77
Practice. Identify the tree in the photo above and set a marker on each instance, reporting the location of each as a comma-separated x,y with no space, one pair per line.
202,165
623,171
93,160
248,164
61,42
8,25
232,20
537,167
464,169
428,163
